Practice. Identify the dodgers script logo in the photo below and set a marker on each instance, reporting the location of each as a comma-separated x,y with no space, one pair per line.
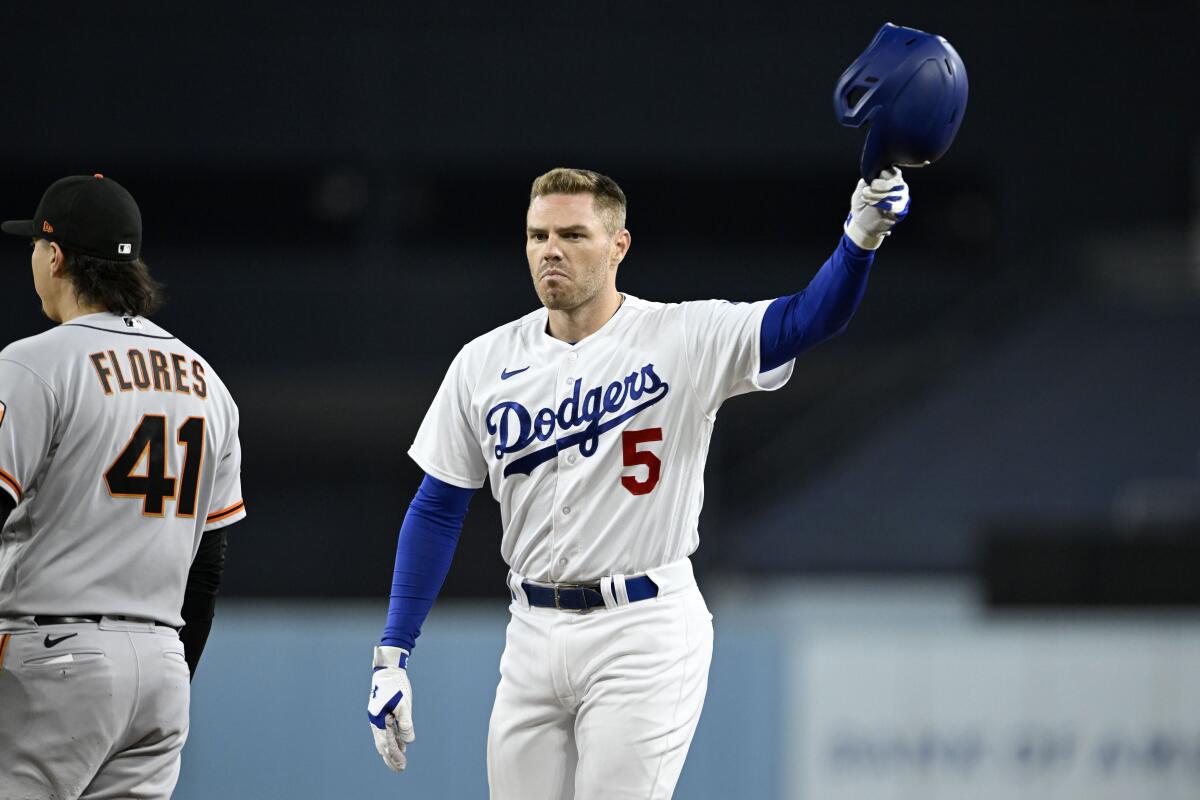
516,428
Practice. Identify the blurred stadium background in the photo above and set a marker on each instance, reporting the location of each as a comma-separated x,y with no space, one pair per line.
956,557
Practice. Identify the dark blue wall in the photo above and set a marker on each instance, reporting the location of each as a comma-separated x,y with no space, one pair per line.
334,193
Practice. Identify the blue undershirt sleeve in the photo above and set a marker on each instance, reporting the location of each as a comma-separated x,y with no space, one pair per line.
424,551
794,323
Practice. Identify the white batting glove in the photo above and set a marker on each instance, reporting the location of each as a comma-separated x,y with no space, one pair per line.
390,706
876,208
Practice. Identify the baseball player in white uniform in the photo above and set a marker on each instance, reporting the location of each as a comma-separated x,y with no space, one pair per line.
119,470
590,418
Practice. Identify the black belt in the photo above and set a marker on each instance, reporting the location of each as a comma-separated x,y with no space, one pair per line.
583,596
41,619
44,620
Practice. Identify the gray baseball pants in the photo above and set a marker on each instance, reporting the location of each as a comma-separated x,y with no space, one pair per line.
91,710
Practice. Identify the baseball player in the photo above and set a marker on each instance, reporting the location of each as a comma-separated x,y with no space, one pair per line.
591,419
119,471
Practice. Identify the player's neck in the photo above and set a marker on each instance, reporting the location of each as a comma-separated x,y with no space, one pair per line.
575,324
69,307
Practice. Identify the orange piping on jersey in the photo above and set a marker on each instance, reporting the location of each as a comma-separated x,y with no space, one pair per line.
3,647
12,482
217,516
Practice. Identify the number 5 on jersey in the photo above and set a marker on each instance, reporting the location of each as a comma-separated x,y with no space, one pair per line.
154,485
634,457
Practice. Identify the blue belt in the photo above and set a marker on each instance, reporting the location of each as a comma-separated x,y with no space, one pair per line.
585,596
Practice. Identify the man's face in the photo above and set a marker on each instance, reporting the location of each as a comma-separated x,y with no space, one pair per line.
572,256
43,283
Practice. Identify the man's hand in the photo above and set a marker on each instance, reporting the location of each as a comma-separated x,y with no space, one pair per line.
876,208
390,706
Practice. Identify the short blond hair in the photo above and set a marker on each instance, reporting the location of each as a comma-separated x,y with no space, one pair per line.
607,196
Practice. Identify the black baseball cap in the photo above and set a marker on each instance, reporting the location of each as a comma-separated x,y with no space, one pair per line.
88,214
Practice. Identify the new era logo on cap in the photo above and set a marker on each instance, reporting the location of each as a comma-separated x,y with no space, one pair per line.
91,214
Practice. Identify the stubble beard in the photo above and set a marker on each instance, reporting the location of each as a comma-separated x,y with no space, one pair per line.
573,295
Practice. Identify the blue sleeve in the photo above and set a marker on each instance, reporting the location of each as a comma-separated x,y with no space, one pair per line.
424,551
797,322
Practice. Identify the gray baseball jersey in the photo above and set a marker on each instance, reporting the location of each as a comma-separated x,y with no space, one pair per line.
119,444
595,450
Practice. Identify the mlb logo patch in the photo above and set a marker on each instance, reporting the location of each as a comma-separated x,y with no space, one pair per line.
124,248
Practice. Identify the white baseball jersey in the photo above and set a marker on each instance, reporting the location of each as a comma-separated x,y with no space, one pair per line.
596,450
119,444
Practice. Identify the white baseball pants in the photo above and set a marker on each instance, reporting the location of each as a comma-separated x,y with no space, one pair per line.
601,704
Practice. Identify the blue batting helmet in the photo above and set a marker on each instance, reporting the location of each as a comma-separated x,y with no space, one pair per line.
910,88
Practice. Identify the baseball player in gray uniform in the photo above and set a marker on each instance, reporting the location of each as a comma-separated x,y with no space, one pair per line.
119,470
590,418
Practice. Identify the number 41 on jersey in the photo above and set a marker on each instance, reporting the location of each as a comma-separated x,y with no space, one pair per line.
126,477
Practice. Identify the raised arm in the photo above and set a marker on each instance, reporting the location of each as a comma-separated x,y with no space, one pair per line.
794,323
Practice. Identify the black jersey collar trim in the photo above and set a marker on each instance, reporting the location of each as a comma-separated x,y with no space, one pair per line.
110,330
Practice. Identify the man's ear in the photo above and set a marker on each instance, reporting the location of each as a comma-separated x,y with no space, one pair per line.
58,260
621,244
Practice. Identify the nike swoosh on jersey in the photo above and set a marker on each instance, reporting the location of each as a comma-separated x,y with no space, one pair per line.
51,642
505,374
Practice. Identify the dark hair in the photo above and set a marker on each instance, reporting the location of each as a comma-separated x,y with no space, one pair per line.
122,287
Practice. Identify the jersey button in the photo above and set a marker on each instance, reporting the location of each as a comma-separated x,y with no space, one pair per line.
566,509
562,562
573,355
571,458
569,381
